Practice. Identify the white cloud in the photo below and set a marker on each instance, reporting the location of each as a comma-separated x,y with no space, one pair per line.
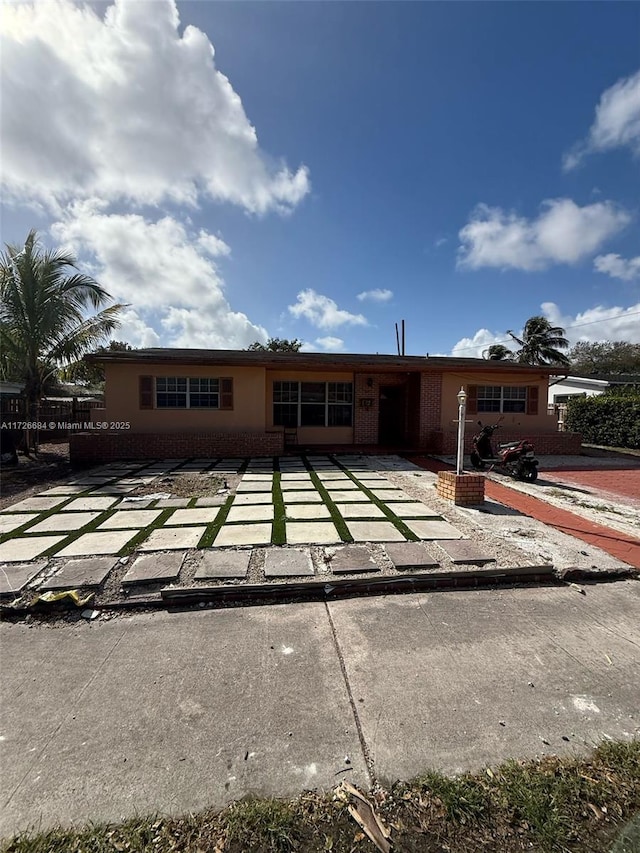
594,324
323,312
563,233
160,269
135,331
377,295
440,242
330,344
616,124
617,267
124,108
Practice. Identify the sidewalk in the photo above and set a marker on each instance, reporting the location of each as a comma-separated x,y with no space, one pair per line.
175,712
616,544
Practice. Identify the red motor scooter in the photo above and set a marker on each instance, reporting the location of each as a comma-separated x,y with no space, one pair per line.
515,458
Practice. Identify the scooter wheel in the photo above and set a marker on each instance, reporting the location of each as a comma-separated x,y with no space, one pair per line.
529,475
476,462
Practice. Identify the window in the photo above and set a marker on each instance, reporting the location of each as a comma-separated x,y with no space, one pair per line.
312,404
502,398
179,392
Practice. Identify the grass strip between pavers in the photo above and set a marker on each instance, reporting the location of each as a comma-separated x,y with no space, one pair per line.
588,805
334,512
278,529
398,523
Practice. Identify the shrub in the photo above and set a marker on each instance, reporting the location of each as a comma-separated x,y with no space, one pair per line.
610,419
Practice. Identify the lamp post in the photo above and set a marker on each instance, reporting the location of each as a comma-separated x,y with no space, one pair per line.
462,410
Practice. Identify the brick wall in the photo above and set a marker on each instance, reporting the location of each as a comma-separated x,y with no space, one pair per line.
462,489
430,407
545,444
102,447
365,419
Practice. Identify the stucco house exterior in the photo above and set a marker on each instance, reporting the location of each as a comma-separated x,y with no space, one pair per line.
174,403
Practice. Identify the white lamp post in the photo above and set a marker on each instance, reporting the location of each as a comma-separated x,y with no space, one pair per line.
462,410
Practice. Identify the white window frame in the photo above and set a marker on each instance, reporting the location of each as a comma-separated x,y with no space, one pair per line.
187,392
300,404
502,398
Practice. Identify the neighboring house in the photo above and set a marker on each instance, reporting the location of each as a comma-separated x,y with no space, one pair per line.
181,403
581,385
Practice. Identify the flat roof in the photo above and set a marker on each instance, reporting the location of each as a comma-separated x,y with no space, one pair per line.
313,360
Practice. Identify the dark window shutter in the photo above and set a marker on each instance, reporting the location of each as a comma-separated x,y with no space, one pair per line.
146,392
532,399
472,400
226,393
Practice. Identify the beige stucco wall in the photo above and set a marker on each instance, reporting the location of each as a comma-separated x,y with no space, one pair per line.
122,399
309,435
451,385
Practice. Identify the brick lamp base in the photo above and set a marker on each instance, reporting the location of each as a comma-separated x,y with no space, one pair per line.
462,489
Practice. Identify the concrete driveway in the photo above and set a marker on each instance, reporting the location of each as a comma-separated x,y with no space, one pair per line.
175,712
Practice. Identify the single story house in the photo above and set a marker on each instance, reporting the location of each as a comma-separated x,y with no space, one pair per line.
173,403
561,388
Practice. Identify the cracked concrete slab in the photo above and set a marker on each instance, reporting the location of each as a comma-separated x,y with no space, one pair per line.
14,578
86,573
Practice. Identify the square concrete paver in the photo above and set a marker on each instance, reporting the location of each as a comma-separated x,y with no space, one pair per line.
254,512
107,542
88,573
287,563
62,490
311,533
130,518
252,498
254,486
173,538
13,579
374,531
165,503
36,504
90,503
360,510
294,476
113,489
465,551
12,522
351,559
197,515
334,475
257,477
223,564
309,511
27,548
296,485
214,500
244,534
308,496
434,529
390,495
64,521
339,496
410,555
413,509
154,568
134,503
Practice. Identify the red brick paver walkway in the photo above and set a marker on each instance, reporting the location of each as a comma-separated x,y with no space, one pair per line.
617,544
621,481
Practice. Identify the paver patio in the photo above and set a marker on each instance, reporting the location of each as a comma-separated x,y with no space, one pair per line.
197,515
76,574
248,498
410,555
244,534
64,521
254,512
360,510
223,564
308,511
375,531
311,533
89,503
14,578
130,518
434,529
12,522
287,563
36,504
154,568
351,559
301,497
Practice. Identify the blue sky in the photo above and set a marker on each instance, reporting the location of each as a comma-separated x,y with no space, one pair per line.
334,167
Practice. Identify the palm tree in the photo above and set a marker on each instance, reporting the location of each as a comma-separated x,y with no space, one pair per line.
498,352
541,343
44,319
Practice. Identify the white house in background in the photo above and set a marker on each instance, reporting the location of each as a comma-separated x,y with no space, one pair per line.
574,386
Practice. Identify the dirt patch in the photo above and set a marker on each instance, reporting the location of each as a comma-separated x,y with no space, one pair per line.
189,485
32,475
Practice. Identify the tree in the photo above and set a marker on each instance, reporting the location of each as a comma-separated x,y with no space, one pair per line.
605,357
498,352
541,343
45,322
92,375
276,345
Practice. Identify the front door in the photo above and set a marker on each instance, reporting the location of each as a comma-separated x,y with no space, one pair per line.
392,417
